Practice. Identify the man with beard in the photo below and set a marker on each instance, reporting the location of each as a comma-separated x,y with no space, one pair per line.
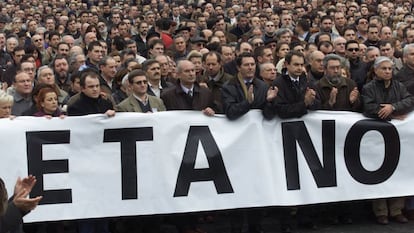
60,67
141,37
334,91
242,26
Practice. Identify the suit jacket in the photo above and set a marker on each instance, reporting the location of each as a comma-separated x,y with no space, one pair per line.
176,99
289,102
131,104
235,103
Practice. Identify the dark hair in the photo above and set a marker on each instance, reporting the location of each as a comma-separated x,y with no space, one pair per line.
134,74
211,53
93,44
239,59
289,55
88,72
148,63
351,42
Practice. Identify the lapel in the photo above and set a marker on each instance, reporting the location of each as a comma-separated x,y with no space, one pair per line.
134,103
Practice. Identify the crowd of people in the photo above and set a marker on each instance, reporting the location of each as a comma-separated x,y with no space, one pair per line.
283,57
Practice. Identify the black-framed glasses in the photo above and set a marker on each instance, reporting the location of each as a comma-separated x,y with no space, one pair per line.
353,49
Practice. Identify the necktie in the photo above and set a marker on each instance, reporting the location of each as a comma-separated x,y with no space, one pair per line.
190,93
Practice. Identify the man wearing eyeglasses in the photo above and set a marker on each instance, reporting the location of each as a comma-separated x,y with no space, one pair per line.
139,100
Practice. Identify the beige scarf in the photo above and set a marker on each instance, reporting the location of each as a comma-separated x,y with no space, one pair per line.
244,87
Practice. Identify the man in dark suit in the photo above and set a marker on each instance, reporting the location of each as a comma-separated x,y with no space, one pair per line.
139,100
187,94
295,96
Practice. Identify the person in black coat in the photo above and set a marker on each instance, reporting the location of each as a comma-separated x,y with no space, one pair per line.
90,100
187,94
295,97
13,210
245,91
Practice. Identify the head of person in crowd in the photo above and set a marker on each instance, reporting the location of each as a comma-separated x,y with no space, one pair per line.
11,43
386,48
198,43
386,33
212,63
6,103
17,54
268,72
75,83
107,66
371,54
316,62
47,101
131,64
373,33
94,52
263,54
156,47
284,35
350,33
282,48
243,47
408,35
246,66
46,75
54,39
352,50
38,42
138,82
60,66
152,70
63,49
339,46
295,63
332,67
196,58
383,69
180,44
326,47
89,83
164,65
322,36
28,67
226,53
23,84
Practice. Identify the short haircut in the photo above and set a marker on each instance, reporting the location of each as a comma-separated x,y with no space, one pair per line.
331,57
93,44
88,72
148,63
211,53
134,74
239,58
41,69
289,55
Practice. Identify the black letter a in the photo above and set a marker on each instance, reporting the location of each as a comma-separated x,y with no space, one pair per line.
216,171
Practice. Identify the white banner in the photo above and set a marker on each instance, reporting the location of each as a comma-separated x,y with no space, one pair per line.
172,162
